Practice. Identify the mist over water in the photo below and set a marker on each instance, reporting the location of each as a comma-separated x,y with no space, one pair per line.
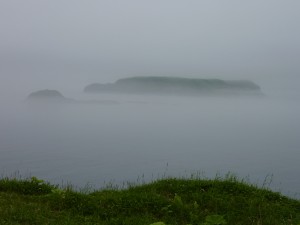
151,137
67,45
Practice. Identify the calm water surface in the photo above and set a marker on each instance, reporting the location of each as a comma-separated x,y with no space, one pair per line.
151,137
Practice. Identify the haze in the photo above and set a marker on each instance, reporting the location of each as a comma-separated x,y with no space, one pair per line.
51,43
66,45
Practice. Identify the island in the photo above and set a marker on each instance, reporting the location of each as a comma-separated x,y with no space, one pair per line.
48,96
176,86
54,96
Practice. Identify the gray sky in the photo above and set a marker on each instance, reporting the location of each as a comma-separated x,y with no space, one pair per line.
58,43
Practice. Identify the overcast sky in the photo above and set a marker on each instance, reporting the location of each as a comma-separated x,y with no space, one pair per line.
57,43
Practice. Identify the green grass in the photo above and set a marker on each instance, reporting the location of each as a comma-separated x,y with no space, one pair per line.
170,201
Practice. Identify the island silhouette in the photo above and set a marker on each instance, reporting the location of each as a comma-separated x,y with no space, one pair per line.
54,96
176,86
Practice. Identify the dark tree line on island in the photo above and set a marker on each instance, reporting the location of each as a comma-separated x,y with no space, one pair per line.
176,86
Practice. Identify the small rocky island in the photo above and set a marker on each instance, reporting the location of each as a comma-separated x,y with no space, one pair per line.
48,96
176,86
53,96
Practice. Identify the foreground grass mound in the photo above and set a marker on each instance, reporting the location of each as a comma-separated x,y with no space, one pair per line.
167,201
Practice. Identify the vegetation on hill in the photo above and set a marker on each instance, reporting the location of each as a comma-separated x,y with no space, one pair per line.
168,201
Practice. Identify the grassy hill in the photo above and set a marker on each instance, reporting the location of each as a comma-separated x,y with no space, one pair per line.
169,201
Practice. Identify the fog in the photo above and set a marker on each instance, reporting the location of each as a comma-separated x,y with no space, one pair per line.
67,45
152,137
